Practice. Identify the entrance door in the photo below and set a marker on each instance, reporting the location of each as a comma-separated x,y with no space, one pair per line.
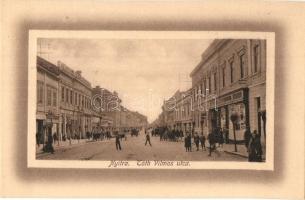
214,119
263,114
40,131
258,106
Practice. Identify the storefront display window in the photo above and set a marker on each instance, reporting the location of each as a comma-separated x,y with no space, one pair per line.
240,128
223,118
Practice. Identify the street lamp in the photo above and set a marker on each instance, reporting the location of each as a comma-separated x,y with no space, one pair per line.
207,109
234,118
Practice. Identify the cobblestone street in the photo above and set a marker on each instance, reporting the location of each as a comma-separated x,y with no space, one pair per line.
134,149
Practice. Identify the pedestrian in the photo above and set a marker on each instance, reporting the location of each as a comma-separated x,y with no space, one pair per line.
202,141
49,144
189,142
117,142
147,139
211,138
227,135
221,137
55,137
196,141
247,136
186,144
255,148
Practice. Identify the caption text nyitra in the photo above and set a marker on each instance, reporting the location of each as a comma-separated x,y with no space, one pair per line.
149,163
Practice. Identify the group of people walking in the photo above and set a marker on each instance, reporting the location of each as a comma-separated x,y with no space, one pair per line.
167,134
253,145
216,138
197,140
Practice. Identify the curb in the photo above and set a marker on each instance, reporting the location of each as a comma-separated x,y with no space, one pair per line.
41,153
236,153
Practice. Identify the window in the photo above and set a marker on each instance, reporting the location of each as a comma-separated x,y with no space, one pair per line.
39,92
242,65
71,97
79,100
67,95
62,94
256,58
204,87
231,71
54,98
49,96
223,76
200,89
209,83
215,81
75,98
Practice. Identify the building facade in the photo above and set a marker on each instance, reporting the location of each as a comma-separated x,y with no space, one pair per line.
230,80
114,116
47,106
183,111
75,103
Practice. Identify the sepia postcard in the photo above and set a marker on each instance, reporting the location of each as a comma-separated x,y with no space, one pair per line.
151,99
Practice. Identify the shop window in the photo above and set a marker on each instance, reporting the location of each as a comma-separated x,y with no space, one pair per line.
223,121
240,110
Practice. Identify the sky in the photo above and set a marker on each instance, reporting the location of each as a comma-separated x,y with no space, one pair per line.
144,72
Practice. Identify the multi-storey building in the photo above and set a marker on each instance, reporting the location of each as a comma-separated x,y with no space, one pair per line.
231,80
67,105
47,106
75,103
100,101
110,107
183,111
169,110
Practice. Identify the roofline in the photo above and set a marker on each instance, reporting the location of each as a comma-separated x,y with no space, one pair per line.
210,51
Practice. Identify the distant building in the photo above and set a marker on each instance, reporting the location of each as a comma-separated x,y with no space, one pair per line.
183,111
69,107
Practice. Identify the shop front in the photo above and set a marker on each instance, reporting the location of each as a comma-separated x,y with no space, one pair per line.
232,104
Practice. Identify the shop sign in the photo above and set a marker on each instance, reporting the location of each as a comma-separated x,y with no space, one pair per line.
237,96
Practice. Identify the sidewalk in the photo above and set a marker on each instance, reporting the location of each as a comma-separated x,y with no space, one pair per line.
241,149
62,145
